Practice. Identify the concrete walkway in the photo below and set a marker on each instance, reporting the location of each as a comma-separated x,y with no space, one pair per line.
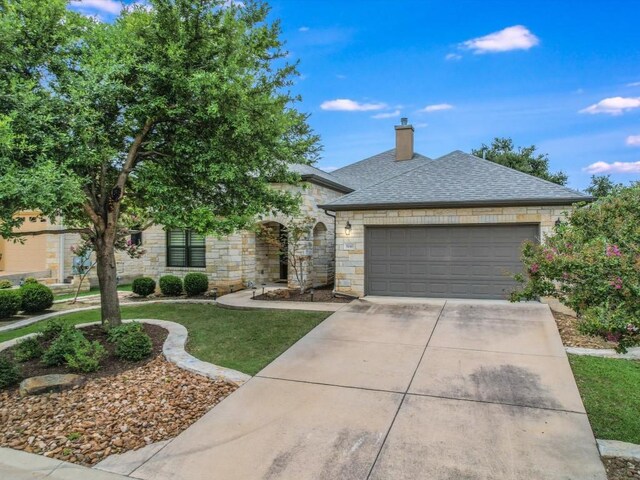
399,389
242,300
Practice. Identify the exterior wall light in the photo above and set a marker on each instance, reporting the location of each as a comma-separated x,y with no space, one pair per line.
347,228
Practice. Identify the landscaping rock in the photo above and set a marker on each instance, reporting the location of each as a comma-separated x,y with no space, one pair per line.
49,383
108,415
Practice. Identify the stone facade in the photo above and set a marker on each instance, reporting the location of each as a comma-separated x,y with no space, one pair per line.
232,262
349,252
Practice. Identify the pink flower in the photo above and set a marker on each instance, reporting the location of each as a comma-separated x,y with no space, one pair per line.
613,251
548,255
534,268
565,275
616,283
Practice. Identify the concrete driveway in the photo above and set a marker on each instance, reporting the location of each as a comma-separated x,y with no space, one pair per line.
401,389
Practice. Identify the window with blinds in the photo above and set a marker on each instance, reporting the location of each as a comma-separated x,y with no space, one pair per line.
185,249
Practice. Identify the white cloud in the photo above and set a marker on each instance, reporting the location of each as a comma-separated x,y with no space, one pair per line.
421,125
103,6
303,29
453,56
613,105
633,140
517,37
633,84
615,167
379,116
340,76
437,107
346,105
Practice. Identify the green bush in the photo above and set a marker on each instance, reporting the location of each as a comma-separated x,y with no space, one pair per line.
134,346
85,356
591,264
116,333
29,281
9,373
52,329
5,284
36,297
195,283
143,286
10,302
171,285
28,349
64,344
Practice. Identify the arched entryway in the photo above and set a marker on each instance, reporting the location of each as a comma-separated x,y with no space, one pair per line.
321,255
271,253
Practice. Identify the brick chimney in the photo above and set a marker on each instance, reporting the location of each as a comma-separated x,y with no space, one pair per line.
404,140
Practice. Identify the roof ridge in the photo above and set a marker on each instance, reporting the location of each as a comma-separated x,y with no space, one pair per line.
365,159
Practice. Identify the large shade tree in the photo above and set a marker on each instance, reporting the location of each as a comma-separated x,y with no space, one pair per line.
525,159
177,113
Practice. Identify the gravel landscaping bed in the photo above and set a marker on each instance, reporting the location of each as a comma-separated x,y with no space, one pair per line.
109,414
621,468
323,294
109,365
571,337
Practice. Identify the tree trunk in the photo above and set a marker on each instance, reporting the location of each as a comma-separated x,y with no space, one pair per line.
107,277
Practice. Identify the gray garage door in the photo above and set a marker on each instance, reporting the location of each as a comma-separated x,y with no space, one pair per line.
456,262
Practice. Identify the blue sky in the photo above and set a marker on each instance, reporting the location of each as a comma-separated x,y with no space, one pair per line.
563,75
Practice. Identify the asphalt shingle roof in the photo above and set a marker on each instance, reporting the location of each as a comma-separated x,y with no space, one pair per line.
374,169
457,178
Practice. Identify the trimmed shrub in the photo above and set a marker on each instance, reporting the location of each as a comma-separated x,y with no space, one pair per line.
28,349
134,346
9,373
52,329
10,302
195,283
171,285
65,344
143,286
5,284
36,297
116,333
29,281
85,356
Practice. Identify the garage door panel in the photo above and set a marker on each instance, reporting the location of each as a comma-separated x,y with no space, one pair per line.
437,261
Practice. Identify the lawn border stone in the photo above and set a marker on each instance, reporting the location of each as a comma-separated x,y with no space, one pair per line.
173,350
632,353
615,448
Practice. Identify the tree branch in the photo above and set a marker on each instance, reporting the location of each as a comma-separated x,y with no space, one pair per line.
87,231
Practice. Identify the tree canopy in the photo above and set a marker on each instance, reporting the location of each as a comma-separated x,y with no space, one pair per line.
524,159
602,185
178,113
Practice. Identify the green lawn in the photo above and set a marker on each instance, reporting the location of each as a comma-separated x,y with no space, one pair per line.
610,390
245,340
92,291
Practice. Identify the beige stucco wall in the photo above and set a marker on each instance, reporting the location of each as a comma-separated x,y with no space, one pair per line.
350,261
30,255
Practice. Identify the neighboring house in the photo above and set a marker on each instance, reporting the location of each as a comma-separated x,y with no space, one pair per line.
407,225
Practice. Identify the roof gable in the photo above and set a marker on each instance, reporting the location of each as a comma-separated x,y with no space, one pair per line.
459,178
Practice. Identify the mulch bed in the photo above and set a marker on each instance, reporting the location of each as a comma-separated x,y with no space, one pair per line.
110,414
323,294
621,468
109,365
571,337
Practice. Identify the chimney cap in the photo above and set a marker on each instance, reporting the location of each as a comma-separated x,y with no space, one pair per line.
404,121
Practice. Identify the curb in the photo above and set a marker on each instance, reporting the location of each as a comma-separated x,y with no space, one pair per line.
614,448
173,350
632,353
47,316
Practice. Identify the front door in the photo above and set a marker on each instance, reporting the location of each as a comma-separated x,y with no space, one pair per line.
284,253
